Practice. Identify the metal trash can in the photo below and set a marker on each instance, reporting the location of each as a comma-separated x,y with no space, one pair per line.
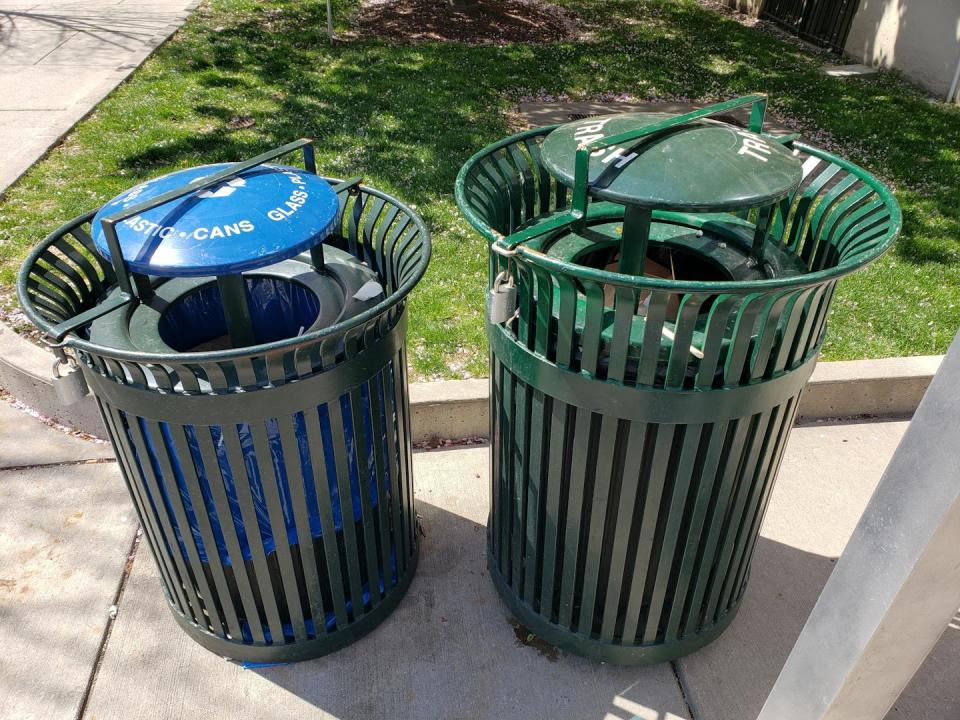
242,328
659,288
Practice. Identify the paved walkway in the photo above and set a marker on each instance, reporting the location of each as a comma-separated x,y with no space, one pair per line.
449,650
59,59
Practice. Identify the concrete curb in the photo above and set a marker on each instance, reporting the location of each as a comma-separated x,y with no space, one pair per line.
25,371
889,387
457,409
449,410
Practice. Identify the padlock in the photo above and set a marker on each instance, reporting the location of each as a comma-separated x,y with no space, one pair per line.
502,299
70,386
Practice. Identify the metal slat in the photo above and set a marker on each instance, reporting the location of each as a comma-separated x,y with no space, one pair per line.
819,320
183,577
406,522
84,267
759,428
381,430
544,313
628,524
526,305
507,420
301,513
680,486
128,464
361,445
646,550
598,538
581,473
794,314
191,474
727,475
521,465
270,482
801,341
496,457
741,340
789,414
706,484
407,456
652,337
557,479
758,467
350,544
566,322
683,350
527,185
767,335
221,503
194,569
625,306
592,328
328,533
533,524
267,597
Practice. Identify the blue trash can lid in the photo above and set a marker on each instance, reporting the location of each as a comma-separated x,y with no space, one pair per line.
262,216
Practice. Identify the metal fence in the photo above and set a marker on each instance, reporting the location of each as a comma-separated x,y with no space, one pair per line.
824,22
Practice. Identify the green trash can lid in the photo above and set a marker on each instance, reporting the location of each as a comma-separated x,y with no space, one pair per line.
703,165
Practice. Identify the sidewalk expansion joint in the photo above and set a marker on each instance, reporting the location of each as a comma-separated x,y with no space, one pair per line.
677,675
67,463
108,628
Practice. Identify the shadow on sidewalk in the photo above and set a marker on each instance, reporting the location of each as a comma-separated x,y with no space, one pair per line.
452,650
65,535
731,678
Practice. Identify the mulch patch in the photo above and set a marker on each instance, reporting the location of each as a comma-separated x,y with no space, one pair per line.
467,21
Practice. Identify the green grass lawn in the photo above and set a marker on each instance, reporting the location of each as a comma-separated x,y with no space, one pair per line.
407,116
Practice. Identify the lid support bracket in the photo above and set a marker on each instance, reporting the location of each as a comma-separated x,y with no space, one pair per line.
144,288
634,240
116,255
760,233
233,296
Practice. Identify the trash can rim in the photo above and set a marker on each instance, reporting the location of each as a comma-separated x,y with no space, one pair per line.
78,343
644,282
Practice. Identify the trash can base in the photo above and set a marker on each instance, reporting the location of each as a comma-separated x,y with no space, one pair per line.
303,650
604,651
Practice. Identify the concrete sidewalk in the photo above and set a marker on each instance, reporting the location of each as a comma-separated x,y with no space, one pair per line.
59,59
450,650
66,529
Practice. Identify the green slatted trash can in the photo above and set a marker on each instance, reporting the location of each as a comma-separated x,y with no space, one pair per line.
242,329
659,289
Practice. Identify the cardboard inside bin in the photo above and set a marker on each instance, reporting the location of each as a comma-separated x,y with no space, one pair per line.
651,269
